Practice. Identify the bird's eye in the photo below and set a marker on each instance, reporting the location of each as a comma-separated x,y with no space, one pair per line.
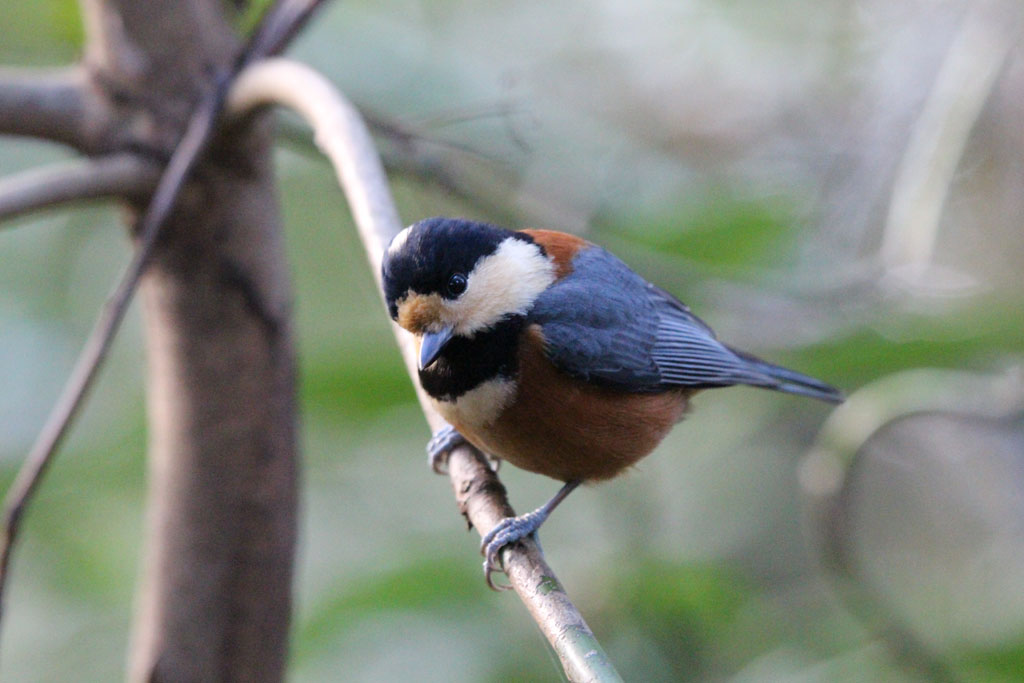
457,284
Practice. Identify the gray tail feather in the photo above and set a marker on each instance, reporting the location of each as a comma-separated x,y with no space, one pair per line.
792,382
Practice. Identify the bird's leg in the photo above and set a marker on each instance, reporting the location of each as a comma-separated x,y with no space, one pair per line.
513,529
444,440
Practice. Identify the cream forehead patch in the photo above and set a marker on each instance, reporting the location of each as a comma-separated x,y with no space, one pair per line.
398,241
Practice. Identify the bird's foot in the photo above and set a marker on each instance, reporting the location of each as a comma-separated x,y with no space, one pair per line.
514,529
506,532
444,440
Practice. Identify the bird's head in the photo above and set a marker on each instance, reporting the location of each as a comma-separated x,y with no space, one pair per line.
447,277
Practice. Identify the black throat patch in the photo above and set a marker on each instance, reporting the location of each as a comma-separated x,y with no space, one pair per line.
467,363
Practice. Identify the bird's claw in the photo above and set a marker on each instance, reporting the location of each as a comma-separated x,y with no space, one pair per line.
440,445
506,532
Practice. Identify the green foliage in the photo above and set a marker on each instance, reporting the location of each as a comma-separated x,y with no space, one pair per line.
364,389
969,337
447,585
250,14
713,229
688,612
43,32
998,665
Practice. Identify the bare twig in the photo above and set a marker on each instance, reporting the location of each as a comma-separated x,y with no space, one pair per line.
405,133
343,137
280,23
103,332
49,104
457,169
830,469
939,137
119,175
423,159
58,99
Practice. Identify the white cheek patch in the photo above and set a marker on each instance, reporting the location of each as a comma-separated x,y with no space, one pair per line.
505,283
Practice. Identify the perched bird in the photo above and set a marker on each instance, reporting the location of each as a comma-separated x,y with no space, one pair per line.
547,351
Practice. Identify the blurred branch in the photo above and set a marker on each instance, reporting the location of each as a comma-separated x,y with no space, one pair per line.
120,175
57,104
432,162
458,170
344,139
280,23
102,335
49,104
829,468
939,137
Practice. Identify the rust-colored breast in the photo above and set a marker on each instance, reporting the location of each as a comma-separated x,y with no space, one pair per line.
561,247
568,429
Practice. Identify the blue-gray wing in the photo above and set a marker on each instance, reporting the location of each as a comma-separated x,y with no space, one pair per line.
603,323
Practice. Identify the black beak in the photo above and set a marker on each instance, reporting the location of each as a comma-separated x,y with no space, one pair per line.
432,344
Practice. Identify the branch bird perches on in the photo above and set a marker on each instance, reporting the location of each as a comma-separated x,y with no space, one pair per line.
55,109
342,136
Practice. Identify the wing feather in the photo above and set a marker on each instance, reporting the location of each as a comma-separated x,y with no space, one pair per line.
604,323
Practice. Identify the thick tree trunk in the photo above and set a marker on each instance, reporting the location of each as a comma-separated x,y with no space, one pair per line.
215,595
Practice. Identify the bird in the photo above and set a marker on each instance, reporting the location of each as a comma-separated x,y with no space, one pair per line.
545,350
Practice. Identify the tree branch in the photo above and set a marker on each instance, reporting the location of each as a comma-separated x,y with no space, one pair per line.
342,135
54,105
186,154
119,175
102,335
279,25
938,139
236,621
458,170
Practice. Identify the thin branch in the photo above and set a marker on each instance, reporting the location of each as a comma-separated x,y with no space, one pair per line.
188,151
458,170
404,133
49,104
939,137
102,335
343,137
420,158
279,25
119,175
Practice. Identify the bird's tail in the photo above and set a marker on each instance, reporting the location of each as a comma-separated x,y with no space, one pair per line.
790,381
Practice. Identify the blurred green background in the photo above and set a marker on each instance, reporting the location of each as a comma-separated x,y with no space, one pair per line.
837,186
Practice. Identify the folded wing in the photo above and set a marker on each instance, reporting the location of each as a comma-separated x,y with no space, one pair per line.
605,324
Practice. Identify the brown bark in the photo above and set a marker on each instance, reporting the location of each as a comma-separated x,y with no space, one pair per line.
215,595
118,175
54,104
215,598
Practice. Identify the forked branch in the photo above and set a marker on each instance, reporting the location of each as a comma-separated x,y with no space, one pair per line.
119,175
52,105
102,335
342,136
